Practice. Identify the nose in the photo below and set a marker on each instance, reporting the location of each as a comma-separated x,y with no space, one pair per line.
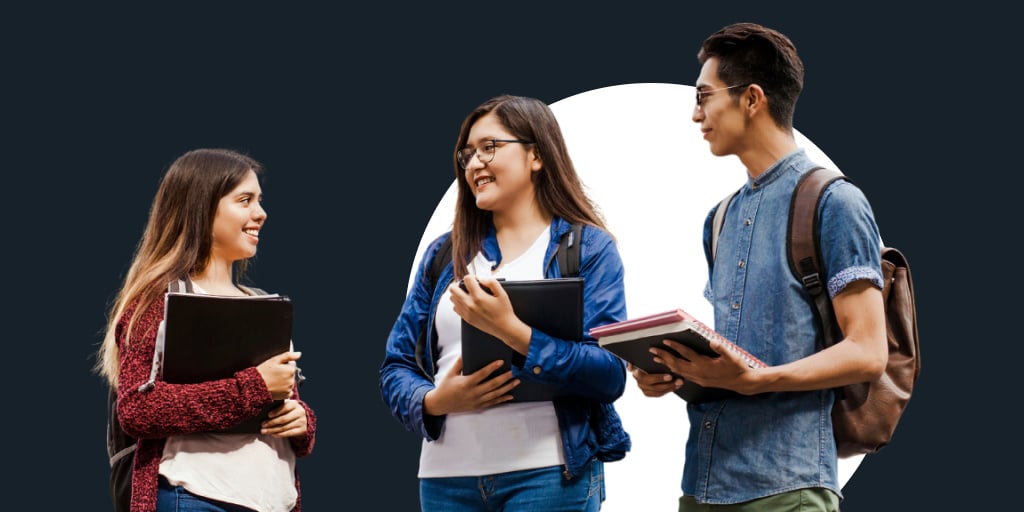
475,162
698,113
259,213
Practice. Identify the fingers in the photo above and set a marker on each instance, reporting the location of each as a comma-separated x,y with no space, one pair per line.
285,421
656,384
482,374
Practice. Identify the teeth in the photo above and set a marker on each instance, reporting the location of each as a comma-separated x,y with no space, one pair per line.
253,232
484,181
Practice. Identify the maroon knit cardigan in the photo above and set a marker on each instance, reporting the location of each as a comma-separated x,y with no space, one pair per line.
175,409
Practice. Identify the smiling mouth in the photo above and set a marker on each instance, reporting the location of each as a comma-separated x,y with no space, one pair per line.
252,232
484,180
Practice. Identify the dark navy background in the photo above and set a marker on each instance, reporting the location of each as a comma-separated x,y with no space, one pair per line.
355,110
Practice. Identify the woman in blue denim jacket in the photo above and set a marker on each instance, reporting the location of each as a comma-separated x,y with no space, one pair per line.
518,193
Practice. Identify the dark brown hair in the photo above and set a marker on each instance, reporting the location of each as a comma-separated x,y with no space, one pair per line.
559,191
749,53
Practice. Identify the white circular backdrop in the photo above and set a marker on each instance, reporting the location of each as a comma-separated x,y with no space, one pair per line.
645,164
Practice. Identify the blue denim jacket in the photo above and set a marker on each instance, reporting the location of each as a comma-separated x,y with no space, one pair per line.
755,446
594,375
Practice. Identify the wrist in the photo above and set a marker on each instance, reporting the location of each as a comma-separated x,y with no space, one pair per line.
430,403
519,336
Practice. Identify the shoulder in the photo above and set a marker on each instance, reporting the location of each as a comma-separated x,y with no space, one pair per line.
144,320
592,232
842,195
598,245
437,245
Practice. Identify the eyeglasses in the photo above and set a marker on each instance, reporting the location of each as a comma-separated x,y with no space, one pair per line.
703,94
486,152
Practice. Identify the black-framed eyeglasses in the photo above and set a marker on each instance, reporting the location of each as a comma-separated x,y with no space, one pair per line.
486,152
702,94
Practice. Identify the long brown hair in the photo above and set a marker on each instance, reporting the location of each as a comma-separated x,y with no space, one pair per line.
558,189
178,237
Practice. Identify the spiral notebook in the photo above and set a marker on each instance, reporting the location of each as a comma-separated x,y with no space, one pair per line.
631,339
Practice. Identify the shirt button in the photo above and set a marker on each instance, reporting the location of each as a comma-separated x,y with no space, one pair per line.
735,305
536,370
750,221
742,263
707,424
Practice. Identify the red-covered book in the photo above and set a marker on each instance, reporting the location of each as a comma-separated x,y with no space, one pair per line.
631,339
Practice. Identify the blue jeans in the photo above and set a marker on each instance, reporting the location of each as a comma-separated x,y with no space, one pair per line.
170,498
528,490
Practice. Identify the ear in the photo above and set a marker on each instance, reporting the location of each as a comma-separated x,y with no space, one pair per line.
754,100
536,163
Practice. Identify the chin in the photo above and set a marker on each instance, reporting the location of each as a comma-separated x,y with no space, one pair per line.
484,204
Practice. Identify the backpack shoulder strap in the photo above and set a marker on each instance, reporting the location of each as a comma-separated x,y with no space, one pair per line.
718,220
568,253
802,242
441,258
180,285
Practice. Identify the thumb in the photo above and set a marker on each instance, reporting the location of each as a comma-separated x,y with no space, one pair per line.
288,357
457,367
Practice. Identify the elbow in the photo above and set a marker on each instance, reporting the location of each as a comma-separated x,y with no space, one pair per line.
131,426
876,363
616,384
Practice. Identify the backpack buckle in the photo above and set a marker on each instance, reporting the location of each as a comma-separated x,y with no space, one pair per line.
812,283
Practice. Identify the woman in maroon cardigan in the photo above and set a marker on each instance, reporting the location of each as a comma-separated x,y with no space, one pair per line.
204,225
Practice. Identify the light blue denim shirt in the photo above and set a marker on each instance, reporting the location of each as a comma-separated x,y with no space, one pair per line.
751,447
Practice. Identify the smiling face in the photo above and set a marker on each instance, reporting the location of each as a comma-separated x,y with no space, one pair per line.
237,223
721,118
506,182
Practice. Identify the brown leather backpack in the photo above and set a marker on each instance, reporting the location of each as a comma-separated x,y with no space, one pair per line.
865,415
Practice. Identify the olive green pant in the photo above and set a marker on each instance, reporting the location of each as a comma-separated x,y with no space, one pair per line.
801,500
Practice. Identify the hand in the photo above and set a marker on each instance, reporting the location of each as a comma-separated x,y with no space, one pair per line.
461,393
288,420
654,384
491,312
278,373
726,371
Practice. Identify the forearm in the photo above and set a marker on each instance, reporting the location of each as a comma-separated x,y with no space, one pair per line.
848,362
580,367
174,409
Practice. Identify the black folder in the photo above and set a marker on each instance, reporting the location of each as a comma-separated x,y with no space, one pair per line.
552,306
210,337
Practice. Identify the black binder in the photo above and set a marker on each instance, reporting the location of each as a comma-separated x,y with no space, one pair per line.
210,337
552,306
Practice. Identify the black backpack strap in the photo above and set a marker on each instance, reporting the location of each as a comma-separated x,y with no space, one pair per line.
802,239
119,444
568,253
441,258
718,220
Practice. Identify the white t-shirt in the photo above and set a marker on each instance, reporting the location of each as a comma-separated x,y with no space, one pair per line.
252,470
506,437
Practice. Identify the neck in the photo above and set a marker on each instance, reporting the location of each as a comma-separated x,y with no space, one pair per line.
766,149
526,217
216,278
516,233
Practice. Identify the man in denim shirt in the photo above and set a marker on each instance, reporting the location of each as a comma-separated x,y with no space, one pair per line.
772,448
